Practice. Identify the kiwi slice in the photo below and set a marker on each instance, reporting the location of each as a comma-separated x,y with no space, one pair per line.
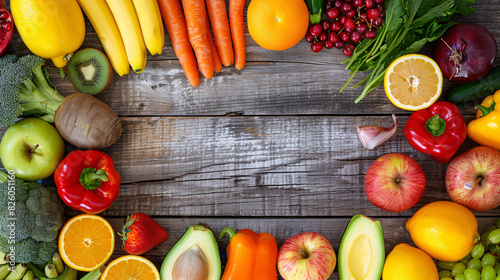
89,71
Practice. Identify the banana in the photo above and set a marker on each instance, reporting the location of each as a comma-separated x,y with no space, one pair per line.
151,23
105,26
130,30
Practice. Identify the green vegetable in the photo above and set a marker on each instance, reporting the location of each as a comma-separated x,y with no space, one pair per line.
26,90
409,25
315,8
476,90
38,217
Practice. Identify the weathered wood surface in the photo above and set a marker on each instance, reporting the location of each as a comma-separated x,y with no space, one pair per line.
291,82
272,147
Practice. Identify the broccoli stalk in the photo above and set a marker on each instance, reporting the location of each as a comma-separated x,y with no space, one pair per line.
25,89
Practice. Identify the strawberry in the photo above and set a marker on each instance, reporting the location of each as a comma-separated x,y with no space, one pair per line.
141,233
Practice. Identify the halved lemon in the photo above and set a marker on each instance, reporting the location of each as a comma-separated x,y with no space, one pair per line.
413,82
86,242
132,268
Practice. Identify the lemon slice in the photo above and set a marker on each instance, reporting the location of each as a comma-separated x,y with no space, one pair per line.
413,82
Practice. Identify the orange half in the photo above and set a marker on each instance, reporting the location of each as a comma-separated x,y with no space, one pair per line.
132,268
86,242
413,82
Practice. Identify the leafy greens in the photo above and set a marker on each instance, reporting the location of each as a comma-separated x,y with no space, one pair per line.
409,25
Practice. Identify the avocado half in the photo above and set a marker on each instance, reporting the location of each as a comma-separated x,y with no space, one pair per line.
195,256
362,253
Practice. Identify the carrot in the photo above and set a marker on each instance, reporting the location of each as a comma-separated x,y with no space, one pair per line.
220,25
236,8
196,20
215,52
177,31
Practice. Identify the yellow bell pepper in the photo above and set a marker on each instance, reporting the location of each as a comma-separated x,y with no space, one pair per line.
485,129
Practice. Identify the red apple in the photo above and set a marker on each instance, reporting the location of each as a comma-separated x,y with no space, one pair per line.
395,182
473,179
306,256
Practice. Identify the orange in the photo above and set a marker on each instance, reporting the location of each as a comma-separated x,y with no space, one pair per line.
413,82
131,267
86,242
277,24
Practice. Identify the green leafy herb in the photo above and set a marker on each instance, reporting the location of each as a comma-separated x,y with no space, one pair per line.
409,25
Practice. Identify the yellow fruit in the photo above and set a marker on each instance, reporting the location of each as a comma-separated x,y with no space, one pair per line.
278,24
413,82
405,262
86,242
105,26
445,230
148,13
52,29
130,29
131,267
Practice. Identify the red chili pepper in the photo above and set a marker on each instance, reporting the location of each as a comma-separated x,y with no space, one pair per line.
6,28
437,131
87,181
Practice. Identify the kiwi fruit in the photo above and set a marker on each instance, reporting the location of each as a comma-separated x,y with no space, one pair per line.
90,71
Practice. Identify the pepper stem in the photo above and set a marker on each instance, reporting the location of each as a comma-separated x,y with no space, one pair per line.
486,110
92,179
315,18
229,232
436,125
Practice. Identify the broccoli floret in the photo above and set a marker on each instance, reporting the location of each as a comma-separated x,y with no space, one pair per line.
31,216
26,90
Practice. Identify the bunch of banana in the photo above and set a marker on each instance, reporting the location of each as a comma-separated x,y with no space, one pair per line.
55,269
126,28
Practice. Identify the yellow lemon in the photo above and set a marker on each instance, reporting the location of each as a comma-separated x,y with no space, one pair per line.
52,29
405,262
445,230
413,82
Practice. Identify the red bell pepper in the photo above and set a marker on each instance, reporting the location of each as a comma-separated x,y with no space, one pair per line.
437,131
6,28
87,181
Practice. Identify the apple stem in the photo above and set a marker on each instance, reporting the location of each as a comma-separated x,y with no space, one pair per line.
303,253
34,148
479,180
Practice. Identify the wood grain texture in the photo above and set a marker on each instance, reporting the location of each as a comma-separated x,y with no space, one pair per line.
282,229
256,166
290,82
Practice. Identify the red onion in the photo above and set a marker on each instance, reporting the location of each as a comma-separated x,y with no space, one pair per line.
466,53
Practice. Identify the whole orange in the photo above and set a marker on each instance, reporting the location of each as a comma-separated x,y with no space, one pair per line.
277,24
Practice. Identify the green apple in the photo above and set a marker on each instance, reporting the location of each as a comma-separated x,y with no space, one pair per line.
32,148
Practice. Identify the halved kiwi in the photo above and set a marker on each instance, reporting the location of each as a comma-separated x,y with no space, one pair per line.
89,71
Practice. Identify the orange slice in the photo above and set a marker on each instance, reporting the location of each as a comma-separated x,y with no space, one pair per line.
132,268
86,242
413,82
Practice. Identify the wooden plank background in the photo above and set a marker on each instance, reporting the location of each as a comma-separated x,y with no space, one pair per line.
272,147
